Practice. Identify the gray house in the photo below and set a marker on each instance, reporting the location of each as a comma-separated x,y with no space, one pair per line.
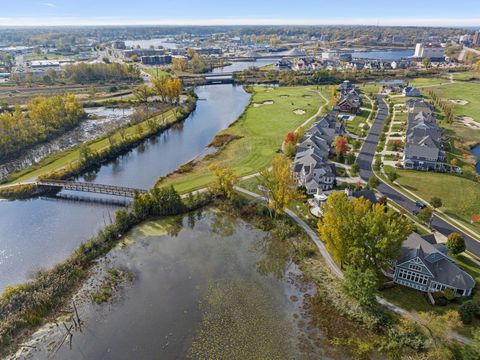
423,146
424,265
411,91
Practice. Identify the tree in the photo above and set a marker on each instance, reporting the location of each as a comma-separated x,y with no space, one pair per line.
341,145
438,327
198,64
355,169
225,180
436,202
141,93
178,63
426,62
455,243
361,285
472,350
392,176
425,215
279,185
467,311
360,234
290,149
372,182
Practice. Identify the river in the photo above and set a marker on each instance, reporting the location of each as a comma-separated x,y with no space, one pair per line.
384,54
205,285
38,233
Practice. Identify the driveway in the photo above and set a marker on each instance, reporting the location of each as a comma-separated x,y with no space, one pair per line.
365,160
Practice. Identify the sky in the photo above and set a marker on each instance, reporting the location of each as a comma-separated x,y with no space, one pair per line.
240,12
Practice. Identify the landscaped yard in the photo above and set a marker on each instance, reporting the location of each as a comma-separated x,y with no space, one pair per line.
355,126
262,130
460,196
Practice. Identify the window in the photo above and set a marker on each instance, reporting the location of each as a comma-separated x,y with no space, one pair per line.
415,267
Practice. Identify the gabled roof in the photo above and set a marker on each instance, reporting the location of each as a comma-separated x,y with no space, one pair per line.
443,268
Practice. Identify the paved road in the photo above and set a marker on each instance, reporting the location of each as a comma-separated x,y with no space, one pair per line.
365,160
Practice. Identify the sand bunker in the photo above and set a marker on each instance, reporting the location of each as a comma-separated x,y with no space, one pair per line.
269,102
458,102
468,121
299,112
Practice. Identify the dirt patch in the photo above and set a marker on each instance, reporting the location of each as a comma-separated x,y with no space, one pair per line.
458,102
299,112
268,102
223,139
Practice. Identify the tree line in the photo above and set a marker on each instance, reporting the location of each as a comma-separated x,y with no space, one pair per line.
44,118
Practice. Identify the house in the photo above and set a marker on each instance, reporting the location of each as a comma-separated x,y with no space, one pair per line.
423,145
425,266
310,167
349,103
411,91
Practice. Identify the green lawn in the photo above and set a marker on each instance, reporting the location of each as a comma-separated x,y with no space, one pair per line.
467,75
353,126
460,196
64,158
262,130
152,71
462,91
427,81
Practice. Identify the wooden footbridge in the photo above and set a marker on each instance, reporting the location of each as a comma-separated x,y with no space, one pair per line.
90,187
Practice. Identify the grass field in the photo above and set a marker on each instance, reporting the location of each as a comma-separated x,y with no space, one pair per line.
262,130
353,126
467,75
460,196
419,82
462,91
64,158
152,71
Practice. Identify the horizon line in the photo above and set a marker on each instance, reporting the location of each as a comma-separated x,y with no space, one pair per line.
111,21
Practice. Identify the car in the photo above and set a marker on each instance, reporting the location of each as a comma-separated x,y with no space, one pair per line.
420,204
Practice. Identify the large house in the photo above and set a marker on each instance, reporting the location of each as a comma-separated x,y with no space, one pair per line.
423,145
424,265
310,167
350,100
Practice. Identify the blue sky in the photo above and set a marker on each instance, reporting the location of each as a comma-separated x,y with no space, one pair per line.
209,12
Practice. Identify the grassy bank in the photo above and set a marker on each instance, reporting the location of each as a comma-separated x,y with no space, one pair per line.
120,141
259,132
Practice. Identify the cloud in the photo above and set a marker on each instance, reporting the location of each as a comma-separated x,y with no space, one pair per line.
50,5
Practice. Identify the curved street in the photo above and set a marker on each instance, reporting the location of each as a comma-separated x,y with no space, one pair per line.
365,160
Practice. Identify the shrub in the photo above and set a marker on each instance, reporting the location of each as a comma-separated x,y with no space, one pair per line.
456,243
449,294
467,311
436,202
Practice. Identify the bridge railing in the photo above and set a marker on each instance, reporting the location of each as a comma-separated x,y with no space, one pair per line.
91,187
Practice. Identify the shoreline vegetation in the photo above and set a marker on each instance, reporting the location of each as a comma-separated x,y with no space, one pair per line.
86,157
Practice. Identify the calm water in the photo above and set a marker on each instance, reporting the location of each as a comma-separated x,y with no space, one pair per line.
476,152
384,55
218,107
39,233
244,65
204,288
146,44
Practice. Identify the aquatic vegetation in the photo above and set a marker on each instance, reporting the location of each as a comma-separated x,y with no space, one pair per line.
240,322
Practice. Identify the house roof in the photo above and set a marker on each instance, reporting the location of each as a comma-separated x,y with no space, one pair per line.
443,268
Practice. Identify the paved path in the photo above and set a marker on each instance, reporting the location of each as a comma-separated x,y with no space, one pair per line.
336,270
365,160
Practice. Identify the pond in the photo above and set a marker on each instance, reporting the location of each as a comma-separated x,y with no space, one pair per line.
476,153
205,285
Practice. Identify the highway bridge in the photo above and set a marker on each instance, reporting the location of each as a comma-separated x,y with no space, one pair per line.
90,187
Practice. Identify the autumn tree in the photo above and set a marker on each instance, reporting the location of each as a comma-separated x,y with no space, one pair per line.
278,184
438,327
360,234
178,63
224,182
141,93
456,243
426,215
361,285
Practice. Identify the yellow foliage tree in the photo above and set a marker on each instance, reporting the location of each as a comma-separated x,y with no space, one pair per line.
278,184
225,180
